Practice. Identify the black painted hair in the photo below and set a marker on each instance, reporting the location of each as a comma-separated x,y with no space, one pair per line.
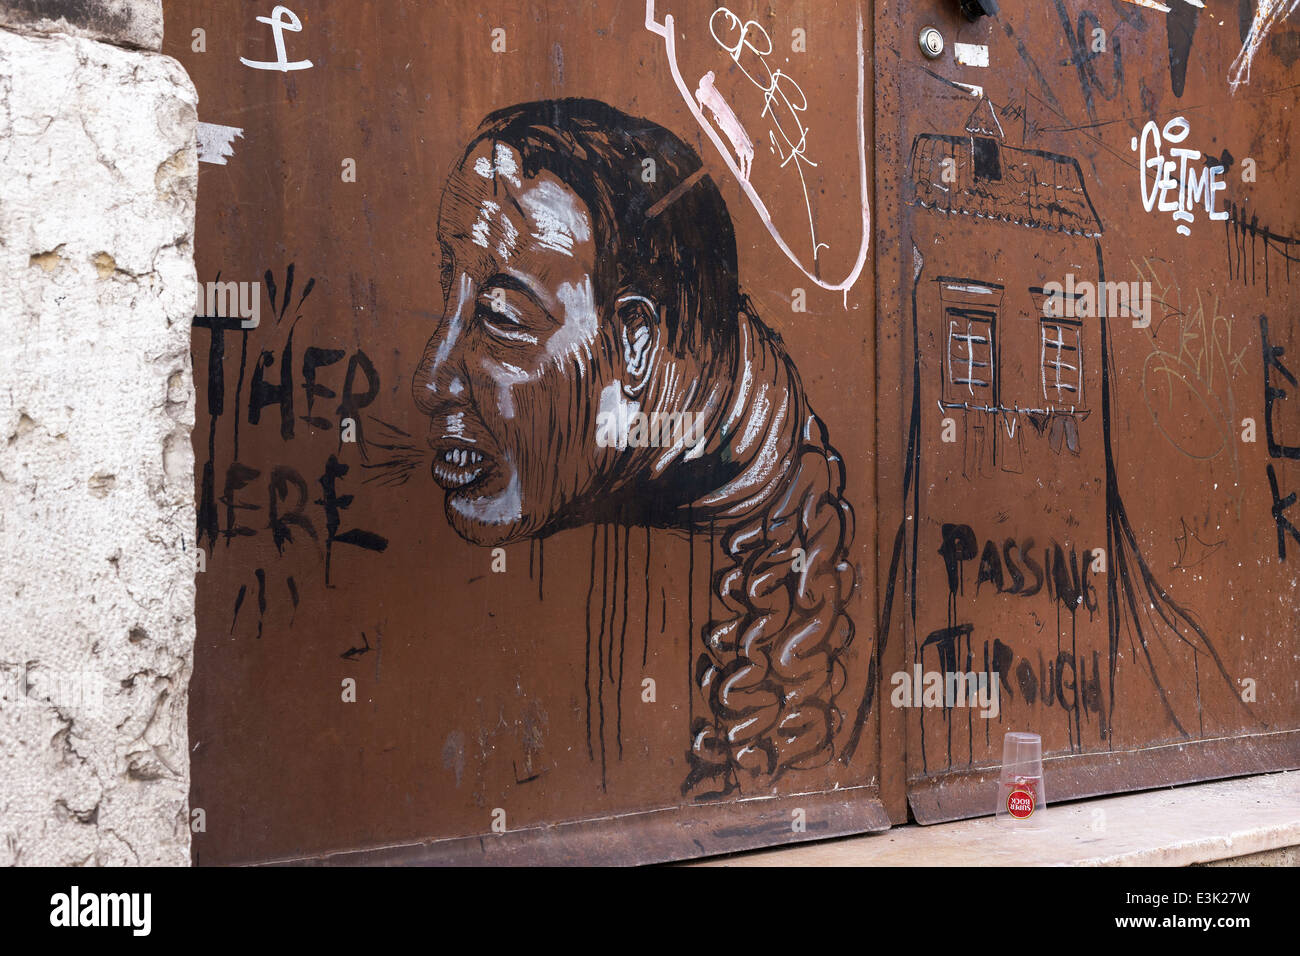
653,208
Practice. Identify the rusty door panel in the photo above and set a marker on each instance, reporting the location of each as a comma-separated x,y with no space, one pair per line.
392,671
1028,439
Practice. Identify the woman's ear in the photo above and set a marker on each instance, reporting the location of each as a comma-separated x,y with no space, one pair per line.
639,329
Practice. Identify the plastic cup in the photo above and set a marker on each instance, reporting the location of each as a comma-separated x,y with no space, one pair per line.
1021,798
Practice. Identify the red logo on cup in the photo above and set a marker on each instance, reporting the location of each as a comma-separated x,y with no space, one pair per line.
1020,804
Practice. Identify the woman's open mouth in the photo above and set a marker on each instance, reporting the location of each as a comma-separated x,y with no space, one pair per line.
457,466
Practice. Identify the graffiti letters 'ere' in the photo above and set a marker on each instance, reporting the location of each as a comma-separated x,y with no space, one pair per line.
281,19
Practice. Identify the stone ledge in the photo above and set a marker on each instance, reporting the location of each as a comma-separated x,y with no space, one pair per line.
130,23
1181,826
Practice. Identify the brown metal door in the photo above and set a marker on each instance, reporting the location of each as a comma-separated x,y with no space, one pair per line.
1086,481
442,617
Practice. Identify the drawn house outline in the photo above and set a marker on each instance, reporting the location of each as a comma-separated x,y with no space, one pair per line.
1031,189
978,176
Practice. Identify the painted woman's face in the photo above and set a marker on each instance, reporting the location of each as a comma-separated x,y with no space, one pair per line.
510,378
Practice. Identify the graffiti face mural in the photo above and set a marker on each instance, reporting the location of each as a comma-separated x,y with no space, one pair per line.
574,299
598,362
520,330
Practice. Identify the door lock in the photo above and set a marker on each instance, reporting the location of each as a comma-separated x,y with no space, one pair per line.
931,41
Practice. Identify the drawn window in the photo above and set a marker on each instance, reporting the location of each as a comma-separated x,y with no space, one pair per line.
988,165
1062,361
972,372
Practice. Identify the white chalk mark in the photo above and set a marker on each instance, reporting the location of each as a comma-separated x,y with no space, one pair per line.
1163,8
1268,14
976,124
783,102
971,54
281,19
506,167
503,165
558,216
216,142
481,231
707,95
669,35
972,89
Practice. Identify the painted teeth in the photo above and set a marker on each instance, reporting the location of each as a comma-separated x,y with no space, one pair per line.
456,479
462,457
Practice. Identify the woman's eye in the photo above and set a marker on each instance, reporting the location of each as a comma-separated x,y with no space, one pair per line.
494,308
503,317
446,270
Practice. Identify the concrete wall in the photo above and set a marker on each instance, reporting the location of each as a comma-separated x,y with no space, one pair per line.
97,144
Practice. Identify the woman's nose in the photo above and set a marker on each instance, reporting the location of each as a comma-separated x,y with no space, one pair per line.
440,376
437,383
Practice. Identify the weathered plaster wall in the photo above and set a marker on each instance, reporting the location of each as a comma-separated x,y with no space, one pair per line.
132,23
97,197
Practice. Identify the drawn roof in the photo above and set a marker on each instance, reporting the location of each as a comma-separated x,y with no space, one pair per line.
1022,187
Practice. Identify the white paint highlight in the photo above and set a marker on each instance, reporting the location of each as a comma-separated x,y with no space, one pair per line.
1163,8
1268,14
614,416
554,209
503,508
707,95
507,168
502,164
481,230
